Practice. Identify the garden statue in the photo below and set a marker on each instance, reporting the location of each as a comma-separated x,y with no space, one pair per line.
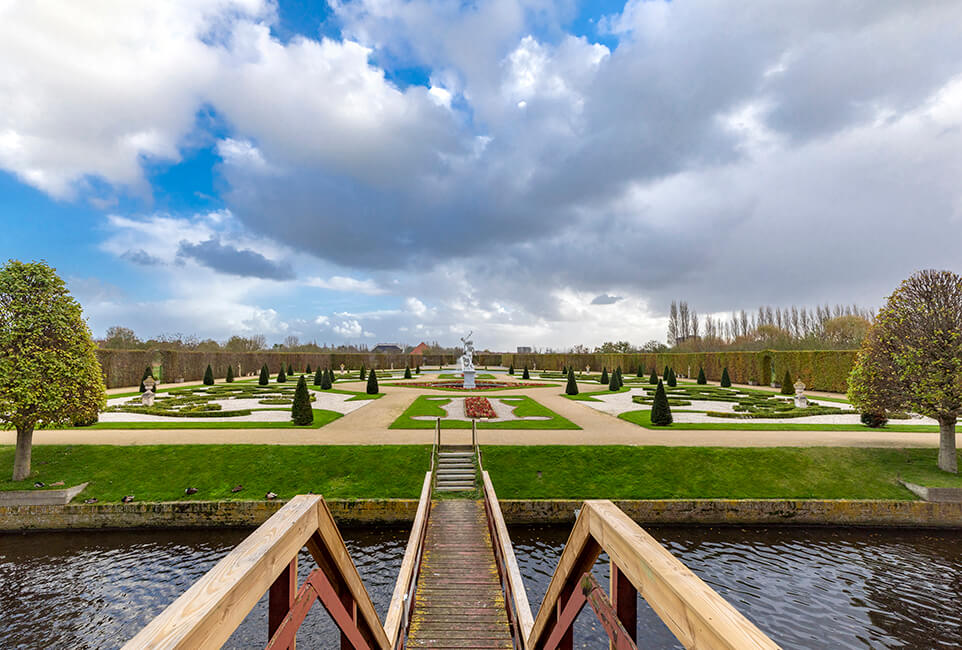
467,361
147,397
800,400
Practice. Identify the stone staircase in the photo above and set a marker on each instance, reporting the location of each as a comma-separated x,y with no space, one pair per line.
456,471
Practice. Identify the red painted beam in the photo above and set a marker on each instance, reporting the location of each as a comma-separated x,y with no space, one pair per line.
281,598
590,592
318,587
624,598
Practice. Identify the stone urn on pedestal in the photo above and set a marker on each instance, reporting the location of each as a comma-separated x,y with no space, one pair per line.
800,400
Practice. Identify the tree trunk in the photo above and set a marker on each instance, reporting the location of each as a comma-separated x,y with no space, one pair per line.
21,460
948,460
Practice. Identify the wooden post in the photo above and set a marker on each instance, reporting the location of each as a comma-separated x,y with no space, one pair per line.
474,433
437,429
281,597
624,598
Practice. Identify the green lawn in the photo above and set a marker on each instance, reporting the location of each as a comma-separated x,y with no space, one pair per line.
163,472
525,407
643,419
321,417
621,472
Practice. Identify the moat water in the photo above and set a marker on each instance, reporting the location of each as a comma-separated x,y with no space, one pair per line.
806,588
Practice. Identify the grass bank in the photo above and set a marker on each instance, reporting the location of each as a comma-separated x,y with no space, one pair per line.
620,472
163,472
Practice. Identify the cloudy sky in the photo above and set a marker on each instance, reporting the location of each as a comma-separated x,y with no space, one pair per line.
544,173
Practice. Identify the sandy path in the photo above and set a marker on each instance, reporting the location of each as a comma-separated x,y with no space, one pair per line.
369,425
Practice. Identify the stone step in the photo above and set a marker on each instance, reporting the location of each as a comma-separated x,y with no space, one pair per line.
446,488
444,466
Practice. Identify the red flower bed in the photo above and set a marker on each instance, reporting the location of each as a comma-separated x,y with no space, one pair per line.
478,407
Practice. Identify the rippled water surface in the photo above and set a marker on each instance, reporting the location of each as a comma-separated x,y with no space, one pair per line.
807,588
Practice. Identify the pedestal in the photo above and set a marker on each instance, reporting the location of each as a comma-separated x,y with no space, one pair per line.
469,378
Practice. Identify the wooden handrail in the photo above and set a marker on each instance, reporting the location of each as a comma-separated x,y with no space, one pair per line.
521,607
693,611
408,573
212,608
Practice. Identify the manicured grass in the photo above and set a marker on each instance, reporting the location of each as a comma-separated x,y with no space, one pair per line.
321,417
524,407
163,472
643,419
621,472
590,396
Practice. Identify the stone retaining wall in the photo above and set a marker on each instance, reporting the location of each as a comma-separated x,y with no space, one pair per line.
201,514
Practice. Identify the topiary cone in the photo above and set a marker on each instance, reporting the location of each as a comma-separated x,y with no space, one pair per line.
265,376
572,387
701,376
787,388
208,376
672,380
660,410
654,377
726,381
301,412
372,383
604,376
230,374
281,376
319,377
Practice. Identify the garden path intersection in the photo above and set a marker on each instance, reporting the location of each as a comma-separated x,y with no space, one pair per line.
370,423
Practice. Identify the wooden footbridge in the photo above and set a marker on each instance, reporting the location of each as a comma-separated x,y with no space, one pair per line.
458,586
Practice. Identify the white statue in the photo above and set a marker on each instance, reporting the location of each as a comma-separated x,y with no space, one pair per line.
800,400
467,359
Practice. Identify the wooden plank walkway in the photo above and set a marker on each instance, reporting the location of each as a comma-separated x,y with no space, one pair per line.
459,602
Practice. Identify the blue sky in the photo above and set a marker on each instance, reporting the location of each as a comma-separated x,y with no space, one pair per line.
409,170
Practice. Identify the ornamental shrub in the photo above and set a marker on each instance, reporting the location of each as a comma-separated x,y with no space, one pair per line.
613,384
511,369
604,376
326,381
319,377
660,411
308,369
787,388
330,375
208,376
525,374
281,377
874,420
363,372
572,387
654,377
265,376
418,370
641,371
372,383
230,374
407,372
672,380
701,376
726,381
621,378
290,370
664,375
301,412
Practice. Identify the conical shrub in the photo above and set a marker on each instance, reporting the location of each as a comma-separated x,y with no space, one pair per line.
572,387
511,369
664,375
265,376
330,375
525,374
230,374
621,378
372,383
307,370
660,411
319,377
301,412
290,370
407,372
604,376
363,372
613,382
326,382
787,387
418,370
726,381
209,376
701,376
672,380
281,376
653,379
641,371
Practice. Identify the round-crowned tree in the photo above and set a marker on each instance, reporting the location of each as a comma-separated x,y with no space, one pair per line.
787,384
604,376
281,375
525,374
319,377
209,376
49,373
301,412
911,358
572,387
372,383
701,376
660,410
148,372
726,381
265,376
230,374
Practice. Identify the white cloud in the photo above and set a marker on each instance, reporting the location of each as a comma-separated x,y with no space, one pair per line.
342,283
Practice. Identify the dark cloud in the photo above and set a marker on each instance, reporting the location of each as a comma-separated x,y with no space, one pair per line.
227,259
141,257
605,299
